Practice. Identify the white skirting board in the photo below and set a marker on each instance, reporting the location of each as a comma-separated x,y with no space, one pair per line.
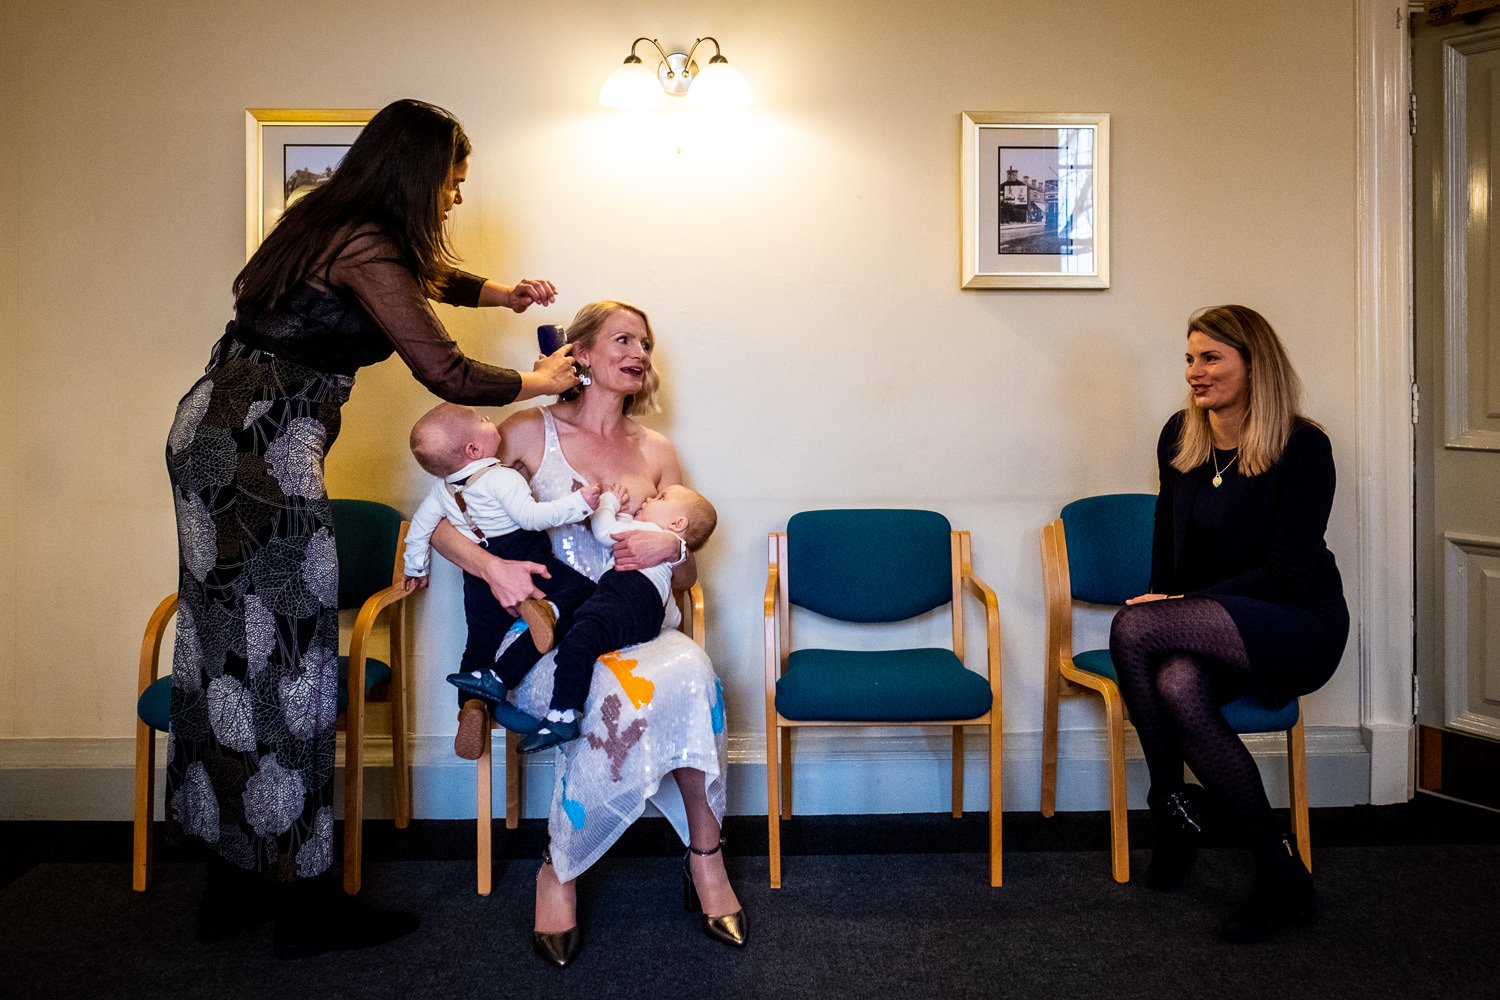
835,772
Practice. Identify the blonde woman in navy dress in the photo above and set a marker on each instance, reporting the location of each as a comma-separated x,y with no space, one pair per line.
341,282
1245,599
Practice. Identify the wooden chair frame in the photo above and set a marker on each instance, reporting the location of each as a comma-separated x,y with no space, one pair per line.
354,726
354,716
690,602
1064,677
778,646
145,745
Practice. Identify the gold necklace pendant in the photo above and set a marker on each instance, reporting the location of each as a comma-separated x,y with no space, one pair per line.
1218,479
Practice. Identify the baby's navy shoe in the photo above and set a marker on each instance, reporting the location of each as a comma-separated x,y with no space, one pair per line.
486,684
556,728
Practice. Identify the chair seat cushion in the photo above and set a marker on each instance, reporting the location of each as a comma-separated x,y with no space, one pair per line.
1251,715
155,704
896,685
1096,662
377,672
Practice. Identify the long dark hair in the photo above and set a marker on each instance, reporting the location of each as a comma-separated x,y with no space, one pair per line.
392,178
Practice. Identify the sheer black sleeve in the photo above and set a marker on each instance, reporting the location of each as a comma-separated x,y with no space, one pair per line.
369,267
460,288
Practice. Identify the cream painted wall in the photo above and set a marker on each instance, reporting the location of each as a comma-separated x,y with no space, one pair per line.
799,260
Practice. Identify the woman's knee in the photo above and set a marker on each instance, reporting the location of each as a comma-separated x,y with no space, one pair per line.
1134,628
1180,681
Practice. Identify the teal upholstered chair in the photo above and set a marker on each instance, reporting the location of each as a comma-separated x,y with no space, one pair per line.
1098,552
370,538
875,566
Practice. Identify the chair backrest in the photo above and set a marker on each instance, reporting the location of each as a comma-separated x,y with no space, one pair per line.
365,533
869,565
1109,546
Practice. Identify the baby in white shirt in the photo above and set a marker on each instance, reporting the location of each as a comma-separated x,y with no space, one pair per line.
626,607
492,505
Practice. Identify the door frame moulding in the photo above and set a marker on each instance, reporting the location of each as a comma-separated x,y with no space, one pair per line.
1455,209
1385,448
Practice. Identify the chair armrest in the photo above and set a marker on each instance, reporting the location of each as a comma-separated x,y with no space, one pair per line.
690,601
156,629
365,623
773,657
982,591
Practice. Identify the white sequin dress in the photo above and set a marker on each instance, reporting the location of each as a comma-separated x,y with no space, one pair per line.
651,709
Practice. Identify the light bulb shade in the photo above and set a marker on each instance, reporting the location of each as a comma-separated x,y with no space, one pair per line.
633,86
720,85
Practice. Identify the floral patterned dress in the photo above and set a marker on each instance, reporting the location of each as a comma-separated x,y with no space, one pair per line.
255,668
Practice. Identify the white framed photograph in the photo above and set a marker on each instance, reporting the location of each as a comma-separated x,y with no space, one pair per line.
288,152
1035,200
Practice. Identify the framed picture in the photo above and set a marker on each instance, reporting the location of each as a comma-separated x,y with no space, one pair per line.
288,152
1035,200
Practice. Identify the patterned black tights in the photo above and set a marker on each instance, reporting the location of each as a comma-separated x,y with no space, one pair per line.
1178,661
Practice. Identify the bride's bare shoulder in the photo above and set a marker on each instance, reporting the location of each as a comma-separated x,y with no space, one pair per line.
650,439
661,454
522,440
520,420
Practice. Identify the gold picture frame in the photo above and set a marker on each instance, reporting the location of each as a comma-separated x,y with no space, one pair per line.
1035,200
274,140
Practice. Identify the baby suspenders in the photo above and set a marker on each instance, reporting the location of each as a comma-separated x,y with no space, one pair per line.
457,492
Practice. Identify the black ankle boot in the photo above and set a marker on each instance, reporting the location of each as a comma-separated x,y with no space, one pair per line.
1175,829
1282,894
315,915
233,900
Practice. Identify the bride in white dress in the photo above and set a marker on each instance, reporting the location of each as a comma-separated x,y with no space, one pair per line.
657,708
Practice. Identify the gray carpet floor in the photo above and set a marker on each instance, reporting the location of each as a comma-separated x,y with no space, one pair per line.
1396,921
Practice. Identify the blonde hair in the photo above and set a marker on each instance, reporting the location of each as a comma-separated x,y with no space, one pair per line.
585,328
1275,392
439,435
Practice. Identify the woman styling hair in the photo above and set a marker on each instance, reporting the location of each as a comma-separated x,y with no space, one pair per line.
341,282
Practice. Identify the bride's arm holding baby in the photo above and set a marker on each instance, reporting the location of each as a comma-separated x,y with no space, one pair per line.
509,580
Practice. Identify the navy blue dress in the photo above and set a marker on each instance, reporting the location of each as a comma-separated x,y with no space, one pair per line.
1255,544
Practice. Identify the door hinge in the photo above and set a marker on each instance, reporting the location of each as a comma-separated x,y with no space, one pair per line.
1411,112
1416,401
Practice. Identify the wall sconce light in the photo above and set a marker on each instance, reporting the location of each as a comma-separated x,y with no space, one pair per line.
635,86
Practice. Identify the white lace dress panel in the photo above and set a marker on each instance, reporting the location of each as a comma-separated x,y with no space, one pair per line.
651,709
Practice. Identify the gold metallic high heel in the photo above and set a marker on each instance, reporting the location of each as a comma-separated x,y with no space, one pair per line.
730,927
556,947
